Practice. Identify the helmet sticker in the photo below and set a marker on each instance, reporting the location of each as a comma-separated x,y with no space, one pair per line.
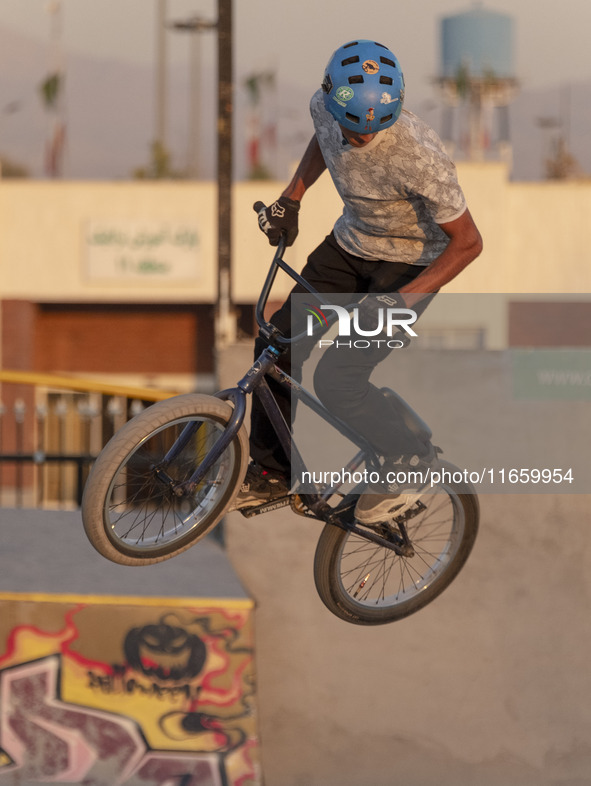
370,67
370,117
387,99
344,93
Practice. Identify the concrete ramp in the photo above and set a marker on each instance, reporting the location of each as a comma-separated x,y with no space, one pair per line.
108,674
47,551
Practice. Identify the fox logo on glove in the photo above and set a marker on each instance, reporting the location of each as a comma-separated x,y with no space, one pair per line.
281,218
277,211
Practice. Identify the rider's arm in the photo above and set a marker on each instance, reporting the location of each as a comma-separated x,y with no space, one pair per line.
465,244
309,170
281,218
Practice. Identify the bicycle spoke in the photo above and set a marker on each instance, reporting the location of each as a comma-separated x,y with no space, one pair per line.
376,576
146,511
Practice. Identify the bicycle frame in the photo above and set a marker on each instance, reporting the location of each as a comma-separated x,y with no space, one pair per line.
254,381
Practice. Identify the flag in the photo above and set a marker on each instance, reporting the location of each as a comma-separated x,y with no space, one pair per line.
50,90
54,151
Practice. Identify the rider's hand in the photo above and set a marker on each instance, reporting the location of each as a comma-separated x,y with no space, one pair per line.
369,313
370,307
281,216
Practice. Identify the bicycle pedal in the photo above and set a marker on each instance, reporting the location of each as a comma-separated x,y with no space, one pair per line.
266,507
298,506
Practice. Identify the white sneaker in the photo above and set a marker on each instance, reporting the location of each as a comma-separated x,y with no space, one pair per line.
373,508
381,501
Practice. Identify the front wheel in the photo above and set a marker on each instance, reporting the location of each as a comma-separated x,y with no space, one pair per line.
368,584
138,507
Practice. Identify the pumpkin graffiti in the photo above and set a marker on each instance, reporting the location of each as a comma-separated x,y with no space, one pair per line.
167,700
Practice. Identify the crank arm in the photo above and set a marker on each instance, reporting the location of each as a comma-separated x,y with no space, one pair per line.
401,549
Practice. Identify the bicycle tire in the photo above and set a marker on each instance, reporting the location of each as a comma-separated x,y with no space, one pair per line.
367,584
130,515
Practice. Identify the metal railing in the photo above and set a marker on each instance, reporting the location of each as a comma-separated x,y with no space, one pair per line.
51,430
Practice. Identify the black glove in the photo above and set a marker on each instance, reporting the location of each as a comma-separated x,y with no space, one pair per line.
281,216
370,307
369,316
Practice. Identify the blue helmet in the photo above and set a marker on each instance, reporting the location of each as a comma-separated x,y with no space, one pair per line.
363,86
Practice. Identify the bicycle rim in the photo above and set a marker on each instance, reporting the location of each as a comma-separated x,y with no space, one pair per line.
365,583
144,512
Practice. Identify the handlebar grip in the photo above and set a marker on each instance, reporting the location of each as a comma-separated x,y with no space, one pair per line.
258,206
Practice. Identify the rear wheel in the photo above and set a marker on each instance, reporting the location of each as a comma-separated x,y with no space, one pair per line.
138,507
369,584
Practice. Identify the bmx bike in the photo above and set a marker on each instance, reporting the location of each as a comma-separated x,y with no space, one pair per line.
169,475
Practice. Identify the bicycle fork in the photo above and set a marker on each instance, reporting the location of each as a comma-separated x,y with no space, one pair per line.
237,397
188,434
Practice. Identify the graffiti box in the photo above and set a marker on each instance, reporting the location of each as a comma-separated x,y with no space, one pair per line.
134,691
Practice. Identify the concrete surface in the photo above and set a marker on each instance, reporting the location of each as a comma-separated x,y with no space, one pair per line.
48,551
487,686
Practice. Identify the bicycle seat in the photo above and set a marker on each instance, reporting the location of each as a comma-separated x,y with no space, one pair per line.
410,418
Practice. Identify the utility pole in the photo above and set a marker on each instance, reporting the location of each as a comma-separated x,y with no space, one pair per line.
52,93
225,316
161,76
195,25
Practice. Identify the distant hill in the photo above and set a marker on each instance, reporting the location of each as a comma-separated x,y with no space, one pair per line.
110,117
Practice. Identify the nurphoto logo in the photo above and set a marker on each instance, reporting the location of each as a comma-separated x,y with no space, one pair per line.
391,322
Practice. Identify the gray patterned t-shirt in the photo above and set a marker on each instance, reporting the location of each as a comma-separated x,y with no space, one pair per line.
396,190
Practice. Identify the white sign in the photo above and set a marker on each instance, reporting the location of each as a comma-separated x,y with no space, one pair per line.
146,250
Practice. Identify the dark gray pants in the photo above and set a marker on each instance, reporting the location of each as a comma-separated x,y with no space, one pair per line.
341,379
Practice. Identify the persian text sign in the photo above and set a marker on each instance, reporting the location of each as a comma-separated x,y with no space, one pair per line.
142,250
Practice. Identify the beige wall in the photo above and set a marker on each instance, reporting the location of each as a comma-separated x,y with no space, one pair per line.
534,233
486,686
44,254
42,231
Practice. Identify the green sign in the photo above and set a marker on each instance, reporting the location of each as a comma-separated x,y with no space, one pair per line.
546,374
145,250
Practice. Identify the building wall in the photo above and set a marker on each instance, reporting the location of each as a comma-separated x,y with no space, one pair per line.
78,243
45,246
108,338
534,233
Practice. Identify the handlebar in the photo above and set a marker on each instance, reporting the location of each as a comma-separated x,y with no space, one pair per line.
269,331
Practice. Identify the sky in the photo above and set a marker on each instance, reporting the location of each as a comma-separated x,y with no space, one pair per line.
295,38
552,38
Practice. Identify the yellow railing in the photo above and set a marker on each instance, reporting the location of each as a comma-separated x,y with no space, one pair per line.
84,385
47,447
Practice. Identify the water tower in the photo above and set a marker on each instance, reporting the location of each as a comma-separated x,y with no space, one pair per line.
477,81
